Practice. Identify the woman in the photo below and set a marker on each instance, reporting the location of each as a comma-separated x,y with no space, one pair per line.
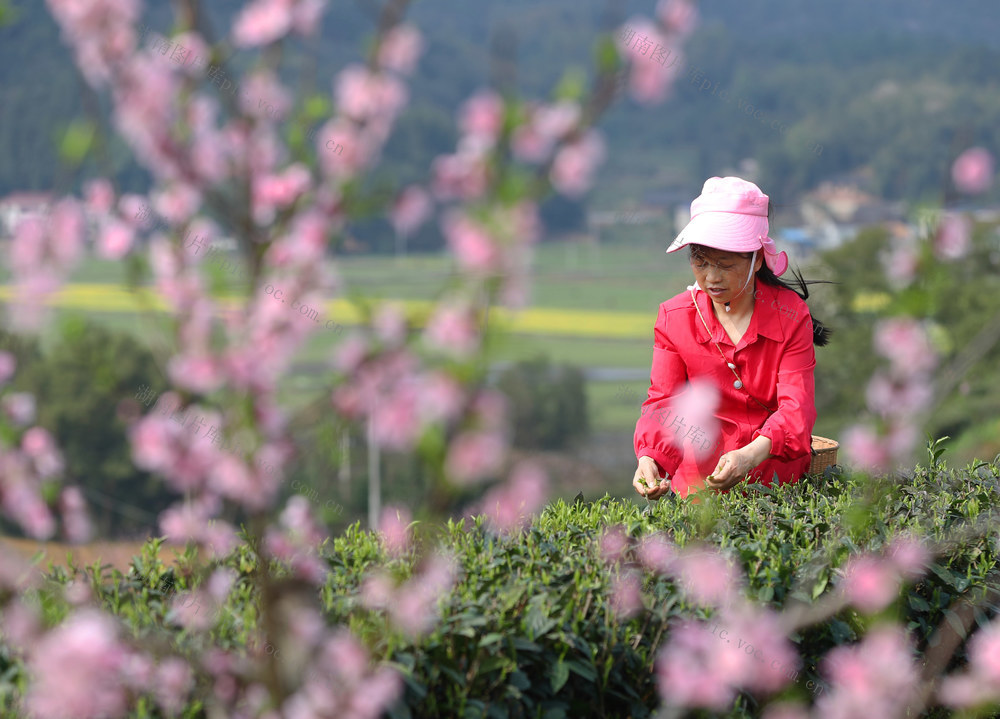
747,333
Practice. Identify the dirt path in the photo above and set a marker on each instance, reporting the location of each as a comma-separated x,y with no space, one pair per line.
117,554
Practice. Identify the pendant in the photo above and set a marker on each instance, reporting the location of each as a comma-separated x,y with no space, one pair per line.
737,384
731,365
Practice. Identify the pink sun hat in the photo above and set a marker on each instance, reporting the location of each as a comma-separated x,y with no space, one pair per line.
731,214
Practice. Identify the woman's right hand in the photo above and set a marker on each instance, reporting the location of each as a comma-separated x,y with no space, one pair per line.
647,480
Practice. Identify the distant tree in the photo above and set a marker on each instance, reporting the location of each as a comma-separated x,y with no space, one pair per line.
548,403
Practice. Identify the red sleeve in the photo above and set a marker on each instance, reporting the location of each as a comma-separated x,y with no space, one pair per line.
790,427
667,378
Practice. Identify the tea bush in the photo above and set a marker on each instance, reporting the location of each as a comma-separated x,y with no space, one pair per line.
529,630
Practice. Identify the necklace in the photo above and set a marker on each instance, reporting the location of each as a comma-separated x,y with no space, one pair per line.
738,384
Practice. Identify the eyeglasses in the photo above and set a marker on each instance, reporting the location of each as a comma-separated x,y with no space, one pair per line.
701,264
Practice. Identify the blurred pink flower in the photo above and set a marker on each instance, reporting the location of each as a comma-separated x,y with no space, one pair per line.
177,203
115,240
194,610
473,246
414,608
362,94
400,49
394,419
575,163
278,191
953,238
707,577
463,175
100,33
306,16
474,455
696,405
613,543
451,330
973,171
626,595
865,449
905,343
172,684
100,195
21,622
910,557
8,364
482,116
66,233
901,262
870,583
390,324
394,527
261,22
76,670
874,678
441,397
657,553
410,210
265,98
198,373
19,407
694,669
377,591
508,507
556,121
342,149
980,683
680,16
74,514
38,444
24,505
897,397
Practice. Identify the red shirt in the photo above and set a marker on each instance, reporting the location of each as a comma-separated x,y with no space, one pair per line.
775,359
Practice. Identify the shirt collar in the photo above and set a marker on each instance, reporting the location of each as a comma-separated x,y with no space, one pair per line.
765,322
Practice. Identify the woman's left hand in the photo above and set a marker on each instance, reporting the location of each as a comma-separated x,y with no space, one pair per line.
732,468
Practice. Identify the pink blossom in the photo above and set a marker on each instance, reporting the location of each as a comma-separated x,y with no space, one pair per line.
482,116
394,419
390,324
680,16
265,98
441,397
953,238
874,678
400,49
306,16
689,671
262,22
23,504
529,145
66,233
75,519
362,94
870,584
452,330
171,685
626,595
350,353
76,669
100,195
177,203
474,248
411,209
575,164
973,171
865,449
21,623
394,526
474,455
115,240
981,682
377,591
8,363
19,407
194,610
910,557
556,121
901,263
707,577
509,506
657,553
900,397
460,176
201,374
100,33
342,149
905,343
278,191
38,444
696,405
613,544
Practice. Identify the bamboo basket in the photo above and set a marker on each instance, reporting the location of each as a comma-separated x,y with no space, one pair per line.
824,454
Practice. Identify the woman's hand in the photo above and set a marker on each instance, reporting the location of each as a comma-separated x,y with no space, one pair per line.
734,466
647,480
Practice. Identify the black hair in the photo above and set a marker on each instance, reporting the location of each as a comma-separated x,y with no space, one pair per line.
821,333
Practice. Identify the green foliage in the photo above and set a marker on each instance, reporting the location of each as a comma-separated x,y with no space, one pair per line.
548,403
81,387
529,629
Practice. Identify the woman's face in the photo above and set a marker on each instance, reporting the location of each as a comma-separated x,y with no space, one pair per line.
722,274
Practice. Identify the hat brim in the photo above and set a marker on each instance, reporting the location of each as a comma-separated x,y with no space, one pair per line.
731,232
